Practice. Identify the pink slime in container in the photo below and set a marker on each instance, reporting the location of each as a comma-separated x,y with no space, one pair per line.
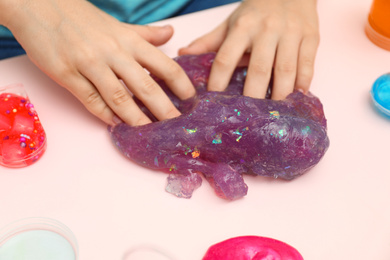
252,248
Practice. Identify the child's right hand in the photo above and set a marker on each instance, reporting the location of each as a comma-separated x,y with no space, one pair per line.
87,51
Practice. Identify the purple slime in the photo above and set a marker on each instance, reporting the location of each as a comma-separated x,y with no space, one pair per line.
225,134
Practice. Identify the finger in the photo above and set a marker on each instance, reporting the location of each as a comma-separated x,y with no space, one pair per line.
166,69
226,60
115,94
306,60
285,66
209,42
260,66
155,35
146,89
90,98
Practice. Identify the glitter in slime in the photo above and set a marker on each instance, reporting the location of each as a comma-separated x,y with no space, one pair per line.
22,137
252,248
222,135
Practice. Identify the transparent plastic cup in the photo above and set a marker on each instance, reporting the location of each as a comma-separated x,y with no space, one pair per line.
37,238
22,137
147,252
378,25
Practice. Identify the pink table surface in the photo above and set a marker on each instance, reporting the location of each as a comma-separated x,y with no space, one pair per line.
338,210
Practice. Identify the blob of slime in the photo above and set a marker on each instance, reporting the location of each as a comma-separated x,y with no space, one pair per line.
222,135
252,248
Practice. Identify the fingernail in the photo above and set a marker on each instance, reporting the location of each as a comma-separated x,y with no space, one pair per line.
181,50
117,120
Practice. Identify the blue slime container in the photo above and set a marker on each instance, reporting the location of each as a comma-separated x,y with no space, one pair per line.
380,93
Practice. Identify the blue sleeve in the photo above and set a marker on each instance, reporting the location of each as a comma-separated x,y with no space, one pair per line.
141,11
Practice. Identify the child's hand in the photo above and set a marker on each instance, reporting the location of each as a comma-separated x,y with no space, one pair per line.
87,51
280,36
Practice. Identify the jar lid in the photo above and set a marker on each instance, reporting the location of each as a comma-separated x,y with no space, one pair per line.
377,38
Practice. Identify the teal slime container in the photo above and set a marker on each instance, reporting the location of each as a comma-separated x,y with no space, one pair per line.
380,93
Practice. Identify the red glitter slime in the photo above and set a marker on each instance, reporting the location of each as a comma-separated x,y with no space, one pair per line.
252,248
22,137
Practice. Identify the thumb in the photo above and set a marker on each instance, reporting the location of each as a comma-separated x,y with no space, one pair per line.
156,35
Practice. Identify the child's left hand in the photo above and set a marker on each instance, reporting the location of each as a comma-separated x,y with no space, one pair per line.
279,37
